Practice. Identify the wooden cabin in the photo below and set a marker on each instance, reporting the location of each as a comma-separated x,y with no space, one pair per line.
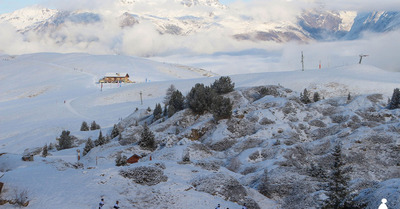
134,159
116,78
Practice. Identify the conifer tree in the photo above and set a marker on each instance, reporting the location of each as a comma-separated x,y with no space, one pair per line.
337,181
200,98
147,138
157,113
45,151
395,101
221,108
121,160
176,103
114,132
305,97
349,97
88,146
65,141
94,126
100,140
171,89
84,126
316,97
223,85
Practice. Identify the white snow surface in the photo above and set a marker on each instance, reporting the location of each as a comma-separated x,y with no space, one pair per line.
43,94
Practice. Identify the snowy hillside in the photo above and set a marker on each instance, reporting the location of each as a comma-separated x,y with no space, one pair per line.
274,152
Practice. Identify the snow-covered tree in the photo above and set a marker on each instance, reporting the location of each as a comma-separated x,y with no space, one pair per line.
88,146
121,160
305,97
157,113
223,85
395,101
147,138
100,140
264,186
65,141
221,108
199,99
316,97
45,151
176,103
337,181
94,126
171,89
84,126
114,132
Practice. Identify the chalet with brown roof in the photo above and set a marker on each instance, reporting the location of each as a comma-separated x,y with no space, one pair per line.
116,78
134,159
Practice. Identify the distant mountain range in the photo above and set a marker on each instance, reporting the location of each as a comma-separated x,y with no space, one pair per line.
190,17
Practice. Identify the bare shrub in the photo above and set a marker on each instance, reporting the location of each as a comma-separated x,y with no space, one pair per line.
145,175
339,118
21,198
323,132
375,98
317,123
248,144
289,108
328,111
371,116
250,169
241,127
222,185
266,121
223,145
379,139
211,166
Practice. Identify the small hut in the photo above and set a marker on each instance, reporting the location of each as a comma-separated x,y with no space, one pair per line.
134,159
116,78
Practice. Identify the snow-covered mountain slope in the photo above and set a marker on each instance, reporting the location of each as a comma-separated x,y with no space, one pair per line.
37,85
374,22
269,129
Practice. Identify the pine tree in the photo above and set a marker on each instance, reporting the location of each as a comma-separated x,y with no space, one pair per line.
165,112
65,141
223,85
121,160
114,132
348,97
88,146
169,93
200,98
100,140
176,103
221,108
147,138
395,101
94,126
157,113
337,181
84,126
305,97
316,97
45,151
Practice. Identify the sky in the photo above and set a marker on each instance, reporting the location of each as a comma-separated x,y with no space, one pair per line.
7,6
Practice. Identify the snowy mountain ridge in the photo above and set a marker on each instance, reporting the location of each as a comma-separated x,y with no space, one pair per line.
125,21
274,151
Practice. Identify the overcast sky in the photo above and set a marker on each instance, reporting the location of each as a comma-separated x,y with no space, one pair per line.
359,5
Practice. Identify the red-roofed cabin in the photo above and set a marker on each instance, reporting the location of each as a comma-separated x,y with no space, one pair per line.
133,159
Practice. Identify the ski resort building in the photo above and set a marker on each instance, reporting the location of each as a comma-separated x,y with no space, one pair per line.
116,78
